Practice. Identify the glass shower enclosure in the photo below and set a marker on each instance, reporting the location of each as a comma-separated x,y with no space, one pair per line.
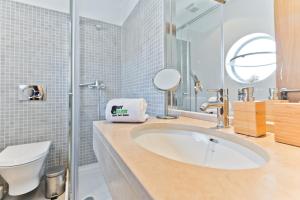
82,53
96,78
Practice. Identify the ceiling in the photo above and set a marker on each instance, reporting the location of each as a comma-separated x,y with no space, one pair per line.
110,11
187,10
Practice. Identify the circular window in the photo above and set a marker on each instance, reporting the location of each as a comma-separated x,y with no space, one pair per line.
252,58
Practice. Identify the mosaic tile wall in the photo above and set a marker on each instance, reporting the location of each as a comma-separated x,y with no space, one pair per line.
34,50
143,53
100,60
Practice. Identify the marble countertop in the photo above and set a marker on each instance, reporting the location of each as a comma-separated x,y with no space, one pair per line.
166,179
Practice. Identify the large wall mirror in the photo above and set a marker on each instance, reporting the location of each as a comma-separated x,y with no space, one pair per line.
220,44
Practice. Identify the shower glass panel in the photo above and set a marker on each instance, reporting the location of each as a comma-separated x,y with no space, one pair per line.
99,57
199,47
99,37
117,49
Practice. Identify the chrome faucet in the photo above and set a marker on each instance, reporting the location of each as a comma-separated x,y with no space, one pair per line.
197,88
222,105
246,94
284,93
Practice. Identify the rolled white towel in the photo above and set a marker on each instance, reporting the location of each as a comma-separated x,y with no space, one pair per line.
126,110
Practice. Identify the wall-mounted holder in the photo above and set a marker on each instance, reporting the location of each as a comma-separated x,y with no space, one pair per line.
94,85
167,80
32,93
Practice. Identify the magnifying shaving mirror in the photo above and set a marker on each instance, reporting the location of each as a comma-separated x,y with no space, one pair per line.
167,80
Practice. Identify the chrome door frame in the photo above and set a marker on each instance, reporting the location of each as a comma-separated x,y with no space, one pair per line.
74,133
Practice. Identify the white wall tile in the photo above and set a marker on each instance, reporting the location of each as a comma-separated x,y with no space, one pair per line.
34,49
143,53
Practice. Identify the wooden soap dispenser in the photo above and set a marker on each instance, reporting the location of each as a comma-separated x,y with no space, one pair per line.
249,115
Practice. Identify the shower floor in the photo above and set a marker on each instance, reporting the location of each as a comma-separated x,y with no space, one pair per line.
91,183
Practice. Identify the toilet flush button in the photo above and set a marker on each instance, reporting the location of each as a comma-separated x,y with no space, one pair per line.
32,93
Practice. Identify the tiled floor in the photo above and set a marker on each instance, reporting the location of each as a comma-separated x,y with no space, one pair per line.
91,184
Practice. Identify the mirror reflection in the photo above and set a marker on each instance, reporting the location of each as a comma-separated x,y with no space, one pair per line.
223,45
249,47
199,52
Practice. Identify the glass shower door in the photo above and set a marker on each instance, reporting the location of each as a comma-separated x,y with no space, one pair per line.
97,61
119,45
94,93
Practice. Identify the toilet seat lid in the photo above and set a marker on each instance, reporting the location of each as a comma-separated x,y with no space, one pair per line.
23,154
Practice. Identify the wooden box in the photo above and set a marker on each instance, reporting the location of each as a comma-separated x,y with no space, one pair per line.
250,118
269,114
286,118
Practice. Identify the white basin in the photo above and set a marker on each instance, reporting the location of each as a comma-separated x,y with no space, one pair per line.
200,146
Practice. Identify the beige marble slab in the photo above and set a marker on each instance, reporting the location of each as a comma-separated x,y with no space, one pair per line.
165,179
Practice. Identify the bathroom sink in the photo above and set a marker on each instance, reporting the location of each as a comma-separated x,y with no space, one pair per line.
200,146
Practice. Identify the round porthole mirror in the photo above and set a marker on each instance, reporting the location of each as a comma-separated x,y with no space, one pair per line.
252,58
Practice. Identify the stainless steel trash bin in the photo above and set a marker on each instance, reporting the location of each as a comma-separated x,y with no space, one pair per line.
1,192
3,188
55,182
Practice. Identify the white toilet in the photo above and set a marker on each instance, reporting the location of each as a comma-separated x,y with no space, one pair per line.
22,166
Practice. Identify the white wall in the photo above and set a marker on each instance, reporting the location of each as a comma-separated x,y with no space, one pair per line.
58,5
110,11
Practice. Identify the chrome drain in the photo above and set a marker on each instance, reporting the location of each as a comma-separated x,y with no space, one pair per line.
89,198
213,140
